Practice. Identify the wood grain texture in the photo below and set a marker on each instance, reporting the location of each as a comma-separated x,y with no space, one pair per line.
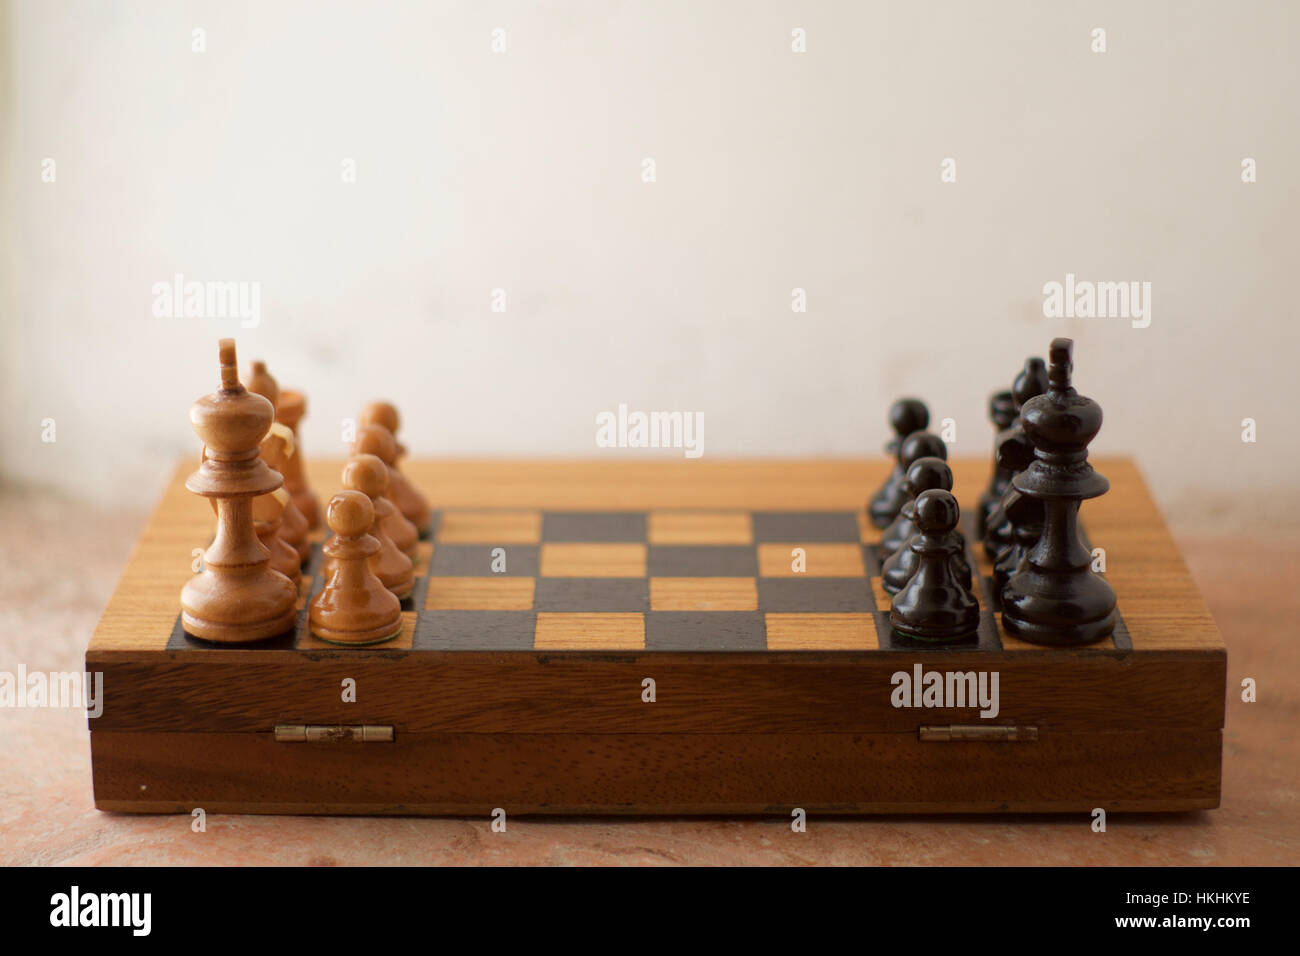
570,692
680,774
564,728
703,594
591,631
423,555
480,594
700,527
1159,602
796,632
593,560
821,560
491,527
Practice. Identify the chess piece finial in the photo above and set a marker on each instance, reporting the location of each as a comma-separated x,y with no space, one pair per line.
404,494
1055,598
237,597
934,605
906,415
375,439
1030,383
925,474
353,607
383,413
263,383
229,365
368,475
1060,424
921,445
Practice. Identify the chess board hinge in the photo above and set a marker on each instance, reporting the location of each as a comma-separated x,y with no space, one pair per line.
333,733
950,732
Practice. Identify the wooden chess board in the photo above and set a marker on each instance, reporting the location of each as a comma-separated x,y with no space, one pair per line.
523,685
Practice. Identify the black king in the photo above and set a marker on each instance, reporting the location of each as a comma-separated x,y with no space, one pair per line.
1054,597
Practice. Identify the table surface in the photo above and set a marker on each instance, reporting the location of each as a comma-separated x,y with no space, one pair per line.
52,594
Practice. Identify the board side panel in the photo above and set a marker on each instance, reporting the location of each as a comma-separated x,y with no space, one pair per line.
473,774
576,692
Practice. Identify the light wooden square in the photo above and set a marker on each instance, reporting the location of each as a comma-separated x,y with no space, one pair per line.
304,591
615,632
824,560
701,527
423,556
1010,643
703,594
1177,628
490,527
822,632
593,560
479,594
883,598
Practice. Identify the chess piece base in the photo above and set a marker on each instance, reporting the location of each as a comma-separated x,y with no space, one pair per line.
220,633
375,635
1036,608
954,616
265,603
963,631
200,619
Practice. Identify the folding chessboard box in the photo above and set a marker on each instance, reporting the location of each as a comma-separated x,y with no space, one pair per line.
651,647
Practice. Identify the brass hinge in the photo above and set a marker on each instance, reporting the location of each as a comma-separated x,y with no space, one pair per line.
942,732
311,733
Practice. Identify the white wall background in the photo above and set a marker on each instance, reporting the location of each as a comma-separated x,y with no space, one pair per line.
775,170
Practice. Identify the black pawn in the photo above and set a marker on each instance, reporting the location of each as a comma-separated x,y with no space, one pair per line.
1002,412
926,474
1055,598
934,605
915,446
906,415
1014,452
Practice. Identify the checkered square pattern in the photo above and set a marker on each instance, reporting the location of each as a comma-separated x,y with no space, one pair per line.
663,580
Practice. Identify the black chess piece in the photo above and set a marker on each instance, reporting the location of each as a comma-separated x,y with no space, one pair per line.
924,475
915,446
1002,413
934,605
1026,517
1030,383
906,415
1055,598
1014,453
1019,517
